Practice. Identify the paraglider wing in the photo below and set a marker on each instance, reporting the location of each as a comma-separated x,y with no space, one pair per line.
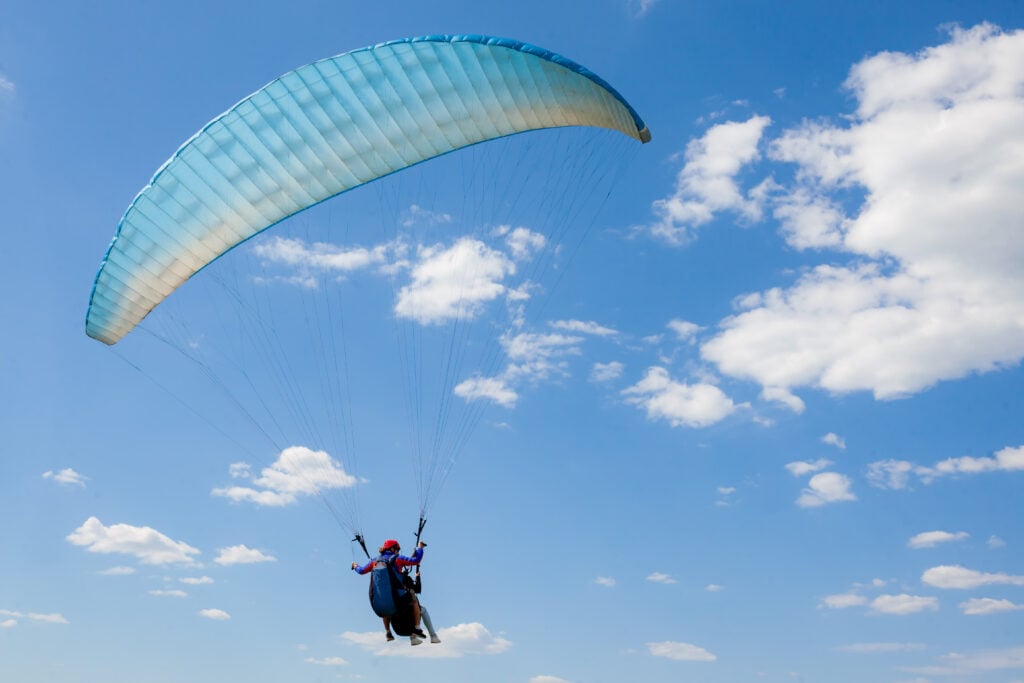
326,128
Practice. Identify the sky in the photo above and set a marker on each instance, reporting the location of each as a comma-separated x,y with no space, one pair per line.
740,404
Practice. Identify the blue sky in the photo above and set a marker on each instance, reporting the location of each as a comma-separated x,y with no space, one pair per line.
759,419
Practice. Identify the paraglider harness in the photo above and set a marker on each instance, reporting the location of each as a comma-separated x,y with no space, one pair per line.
388,595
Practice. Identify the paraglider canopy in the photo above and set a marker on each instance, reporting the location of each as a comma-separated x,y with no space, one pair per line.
325,128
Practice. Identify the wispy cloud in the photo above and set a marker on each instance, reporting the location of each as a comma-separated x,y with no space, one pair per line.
983,606
584,327
13,617
903,604
66,476
327,661
684,330
955,576
879,648
214,614
606,581
972,664
117,571
196,580
659,577
800,468
684,652
163,593
833,439
606,372
146,544
842,601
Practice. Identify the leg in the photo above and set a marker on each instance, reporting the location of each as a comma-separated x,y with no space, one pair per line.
387,628
430,626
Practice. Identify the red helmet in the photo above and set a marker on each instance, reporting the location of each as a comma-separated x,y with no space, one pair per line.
390,544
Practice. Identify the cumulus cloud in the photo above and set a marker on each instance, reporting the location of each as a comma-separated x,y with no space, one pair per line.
932,291
494,389
825,488
707,182
955,576
834,439
535,356
241,554
522,242
659,577
214,614
1005,460
684,652
606,372
147,545
800,467
66,476
982,606
890,474
903,604
456,641
681,404
453,282
298,471
785,397
930,539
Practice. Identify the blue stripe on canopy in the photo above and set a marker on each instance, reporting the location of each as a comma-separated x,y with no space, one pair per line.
325,128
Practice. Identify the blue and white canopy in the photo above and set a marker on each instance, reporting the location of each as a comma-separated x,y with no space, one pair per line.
325,128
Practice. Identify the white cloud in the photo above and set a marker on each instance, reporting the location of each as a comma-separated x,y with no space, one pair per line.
240,470
1005,460
66,476
890,474
148,545
584,327
955,576
606,581
714,588
53,618
842,601
903,604
493,389
983,606
320,256
606,372
6,85
785,397
298,471
456,641
875,648
168,593
707,184
538,356
215,614
417,215
800,468
995,542
684,652
930,539
117,571
8,623
196,580
834,439
690,405
933,290
642,6
971,664
547,679
685,330
453,282
824,488
327,661
523,242
241,554
659,577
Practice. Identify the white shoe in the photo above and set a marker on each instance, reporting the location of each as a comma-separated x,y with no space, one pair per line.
415,640
434,638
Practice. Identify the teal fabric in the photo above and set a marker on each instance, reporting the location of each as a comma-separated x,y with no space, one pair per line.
325,128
